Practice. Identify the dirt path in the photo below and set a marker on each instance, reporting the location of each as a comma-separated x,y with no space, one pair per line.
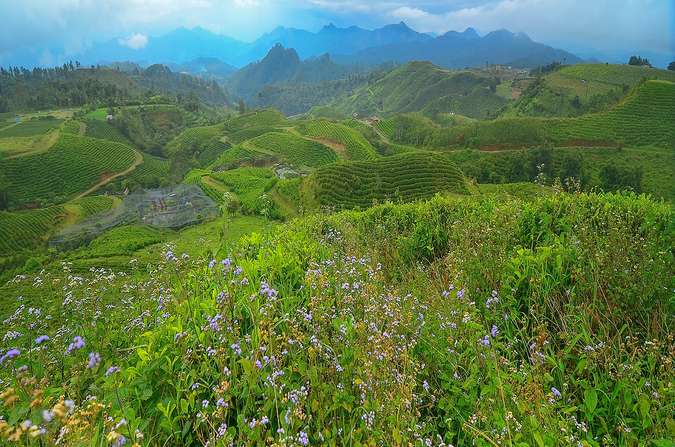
137,161
339,148
83,129
378,132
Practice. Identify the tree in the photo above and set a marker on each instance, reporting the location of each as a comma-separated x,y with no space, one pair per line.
671,66
639,61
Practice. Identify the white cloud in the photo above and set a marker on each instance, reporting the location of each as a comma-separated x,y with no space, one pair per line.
135,41
246,3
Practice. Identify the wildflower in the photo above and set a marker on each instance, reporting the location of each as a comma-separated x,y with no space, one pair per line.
212,263
94,360
303,439
227,262
170,256
460,294
265,420
485,341
47,415
41,339
556,393
494,331
425,385
77,343
221,403
112,370
236,348
11,354
205,403
222,430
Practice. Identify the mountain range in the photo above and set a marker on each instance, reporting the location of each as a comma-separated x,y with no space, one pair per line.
200,50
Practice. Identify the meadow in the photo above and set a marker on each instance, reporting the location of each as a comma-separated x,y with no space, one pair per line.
402,324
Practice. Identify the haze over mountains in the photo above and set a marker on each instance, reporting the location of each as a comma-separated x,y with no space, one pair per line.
352,45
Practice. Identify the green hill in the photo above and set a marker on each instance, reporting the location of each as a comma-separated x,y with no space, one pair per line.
643,118
579,89
346,141
72,165
425,88
403,177
293,149
26,230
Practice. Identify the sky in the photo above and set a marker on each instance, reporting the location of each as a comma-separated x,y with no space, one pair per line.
50,29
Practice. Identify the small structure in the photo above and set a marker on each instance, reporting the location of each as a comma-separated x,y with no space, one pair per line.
109,117
17,119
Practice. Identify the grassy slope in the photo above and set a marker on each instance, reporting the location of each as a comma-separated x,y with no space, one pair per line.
579,89
411,318
421,87
644,118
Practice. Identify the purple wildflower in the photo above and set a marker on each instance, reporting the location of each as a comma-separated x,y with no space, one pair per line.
94,360
11,354
41,339
494,331
303,439
485,341
556,393
112,370
77,343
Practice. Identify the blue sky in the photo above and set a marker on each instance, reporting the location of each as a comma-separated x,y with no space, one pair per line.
585,26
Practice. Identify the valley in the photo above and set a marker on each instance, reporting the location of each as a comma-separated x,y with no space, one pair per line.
342,237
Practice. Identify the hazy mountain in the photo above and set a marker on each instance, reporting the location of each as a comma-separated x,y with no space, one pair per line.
466,49
283,65
205,67
177,47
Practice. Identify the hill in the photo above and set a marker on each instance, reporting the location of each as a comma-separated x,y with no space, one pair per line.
283,66
71,166
467,49
422,87
74,86
402,178
397,312
644,117
580,89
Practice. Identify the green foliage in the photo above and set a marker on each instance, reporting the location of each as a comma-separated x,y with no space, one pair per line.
404,177
121,241
74,164
391,326
252,187
585,165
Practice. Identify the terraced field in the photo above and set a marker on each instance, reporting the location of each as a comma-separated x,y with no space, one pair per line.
258,118
105,131
644,118
72,127
295,150
31,127
24,230
356,147
73,165
404,177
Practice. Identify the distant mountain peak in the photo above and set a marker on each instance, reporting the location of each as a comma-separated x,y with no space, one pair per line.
470,33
